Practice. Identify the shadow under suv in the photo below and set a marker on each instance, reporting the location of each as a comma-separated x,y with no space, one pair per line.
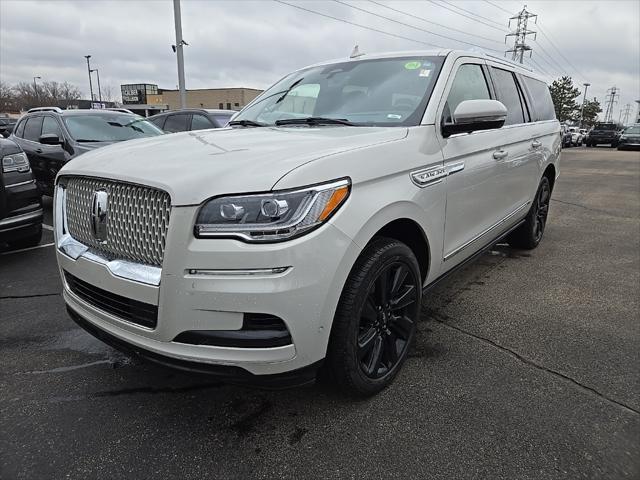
51,136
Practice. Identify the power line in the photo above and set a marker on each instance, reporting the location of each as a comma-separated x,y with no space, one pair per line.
410,26
433,23
358,25
471,13
466,16
499,7
540,69
558,50
559,67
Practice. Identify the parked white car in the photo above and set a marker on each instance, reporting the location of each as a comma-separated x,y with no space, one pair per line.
304,235
576,136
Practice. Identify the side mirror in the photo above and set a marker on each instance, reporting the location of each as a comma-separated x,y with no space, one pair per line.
473,115
50,139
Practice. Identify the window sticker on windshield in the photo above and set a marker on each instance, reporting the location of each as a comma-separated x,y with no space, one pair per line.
394,116
424,72
412,65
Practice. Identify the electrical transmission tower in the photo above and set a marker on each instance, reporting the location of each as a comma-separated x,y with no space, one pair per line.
520,35
610,101
624,114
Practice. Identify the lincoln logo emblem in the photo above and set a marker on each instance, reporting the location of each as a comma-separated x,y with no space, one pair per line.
99,214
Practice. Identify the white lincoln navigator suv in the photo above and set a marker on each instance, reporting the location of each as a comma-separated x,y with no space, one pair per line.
303,235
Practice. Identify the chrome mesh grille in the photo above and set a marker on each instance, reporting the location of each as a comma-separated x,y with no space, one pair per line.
137,219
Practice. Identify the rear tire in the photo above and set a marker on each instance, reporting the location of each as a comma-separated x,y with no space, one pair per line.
528,235
376,318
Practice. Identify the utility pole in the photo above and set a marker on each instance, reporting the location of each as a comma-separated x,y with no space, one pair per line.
520,35
90,84
584,99
180,43
99,89
35,89
610,100
625,113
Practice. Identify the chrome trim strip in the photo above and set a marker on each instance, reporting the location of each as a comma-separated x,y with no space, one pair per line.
455,167
239,272
73,249
428,176
484,232
8,222
19,184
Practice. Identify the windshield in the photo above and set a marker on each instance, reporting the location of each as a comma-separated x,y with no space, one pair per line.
632,130
109,127
389,92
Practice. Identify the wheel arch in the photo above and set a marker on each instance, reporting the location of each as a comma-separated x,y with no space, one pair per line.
550,173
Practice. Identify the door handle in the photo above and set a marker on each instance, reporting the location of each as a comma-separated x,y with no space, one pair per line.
38,150
536,144
500,154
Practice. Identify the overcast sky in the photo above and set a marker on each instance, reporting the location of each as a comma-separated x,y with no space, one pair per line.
252,43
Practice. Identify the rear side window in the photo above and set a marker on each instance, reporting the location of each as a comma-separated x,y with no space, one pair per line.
176,123
158,122
200,122
33,128
469,84
19,131
542,103
50,125
507,92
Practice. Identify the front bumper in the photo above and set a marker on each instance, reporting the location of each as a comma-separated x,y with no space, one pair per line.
202,287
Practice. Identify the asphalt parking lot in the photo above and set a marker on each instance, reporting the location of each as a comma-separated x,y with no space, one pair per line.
526,366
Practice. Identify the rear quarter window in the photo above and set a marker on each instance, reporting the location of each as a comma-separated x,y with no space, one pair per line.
542,104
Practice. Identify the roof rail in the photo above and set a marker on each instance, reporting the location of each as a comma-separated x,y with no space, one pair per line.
119,109
45,109
510,62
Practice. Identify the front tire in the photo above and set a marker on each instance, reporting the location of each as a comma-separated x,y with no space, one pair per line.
528,235
376,318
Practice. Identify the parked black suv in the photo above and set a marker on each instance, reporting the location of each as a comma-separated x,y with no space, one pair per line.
20,201
603,133
51,137
191,119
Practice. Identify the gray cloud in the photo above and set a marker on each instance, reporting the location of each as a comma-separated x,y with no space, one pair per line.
254,42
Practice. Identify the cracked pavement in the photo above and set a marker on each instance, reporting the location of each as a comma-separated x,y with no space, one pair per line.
525,366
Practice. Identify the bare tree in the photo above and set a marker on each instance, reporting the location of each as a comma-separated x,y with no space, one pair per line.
7,98
107,93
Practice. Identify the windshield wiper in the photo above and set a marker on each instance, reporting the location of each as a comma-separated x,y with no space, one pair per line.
286,92
246,123
314,121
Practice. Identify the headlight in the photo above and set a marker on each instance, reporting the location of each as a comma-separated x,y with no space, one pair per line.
271,217
16,162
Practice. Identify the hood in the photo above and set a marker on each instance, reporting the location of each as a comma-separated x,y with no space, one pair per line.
193,166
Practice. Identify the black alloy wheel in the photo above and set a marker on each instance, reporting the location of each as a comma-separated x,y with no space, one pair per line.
376,319
541,210
386,326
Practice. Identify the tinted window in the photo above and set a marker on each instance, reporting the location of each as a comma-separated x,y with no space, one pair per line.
176,123
542,103
158,122
50,125
507,93
109,127
20,129
469,84
33,128
200,122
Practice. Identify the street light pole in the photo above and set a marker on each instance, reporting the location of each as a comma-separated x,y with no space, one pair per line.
179,46
35,88
584,99
99,89
90,84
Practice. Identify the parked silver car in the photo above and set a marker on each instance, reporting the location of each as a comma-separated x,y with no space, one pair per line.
303,237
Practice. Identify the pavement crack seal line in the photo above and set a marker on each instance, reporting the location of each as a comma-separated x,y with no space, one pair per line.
30,296
531,363
587,208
